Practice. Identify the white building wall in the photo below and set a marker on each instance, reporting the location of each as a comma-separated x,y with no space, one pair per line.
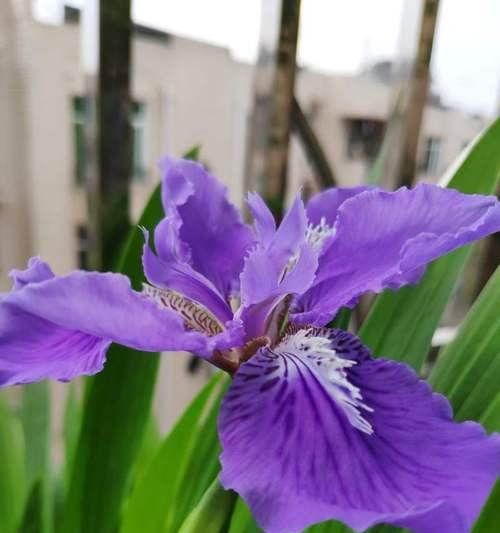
195,94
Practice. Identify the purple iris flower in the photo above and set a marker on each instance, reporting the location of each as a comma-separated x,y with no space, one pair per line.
312,426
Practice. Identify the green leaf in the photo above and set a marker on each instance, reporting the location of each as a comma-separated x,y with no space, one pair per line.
72,423
33,518
242,520
491,415
342,319
202,463
161,487
490,515
400,325
489,519
117,408
150,446
193,153
212,512
467,370
35,417
12,469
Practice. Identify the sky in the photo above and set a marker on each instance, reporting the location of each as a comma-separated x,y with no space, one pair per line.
343,36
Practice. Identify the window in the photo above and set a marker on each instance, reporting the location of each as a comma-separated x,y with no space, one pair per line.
432,152
364,137
79,120
82,246
137,123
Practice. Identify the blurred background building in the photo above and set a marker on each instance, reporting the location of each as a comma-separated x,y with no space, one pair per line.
185,93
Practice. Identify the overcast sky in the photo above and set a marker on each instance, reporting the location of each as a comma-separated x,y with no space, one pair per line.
344,35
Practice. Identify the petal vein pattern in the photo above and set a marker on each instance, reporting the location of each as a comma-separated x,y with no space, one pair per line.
196,317
306,348
386,239
298,455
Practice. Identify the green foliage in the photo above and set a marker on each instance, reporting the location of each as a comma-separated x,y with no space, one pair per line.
242,520
12,468
212,513
33,518
117,407
71,429
35,417
181,470
467,371
490,517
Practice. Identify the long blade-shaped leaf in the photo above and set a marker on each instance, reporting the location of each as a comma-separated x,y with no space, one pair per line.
242,520
71,429
35,417
33,519
489,521
12,469
160,488
212,512
467,370
116,413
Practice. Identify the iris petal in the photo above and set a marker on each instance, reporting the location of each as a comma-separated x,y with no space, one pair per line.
209,227
265,264
33,349
325,204
385,240
265,225
173,274
37,270
297,457
281,263
59,327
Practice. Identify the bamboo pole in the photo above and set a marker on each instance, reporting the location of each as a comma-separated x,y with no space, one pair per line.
417,95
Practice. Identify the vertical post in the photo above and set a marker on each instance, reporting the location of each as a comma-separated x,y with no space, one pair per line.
273,101
106,55
281,111
89,49
490,259
114,133
417,95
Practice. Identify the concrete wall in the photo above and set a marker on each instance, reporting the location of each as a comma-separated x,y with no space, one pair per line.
194,93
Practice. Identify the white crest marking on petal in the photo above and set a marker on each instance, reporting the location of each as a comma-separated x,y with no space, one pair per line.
323,358
316,234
